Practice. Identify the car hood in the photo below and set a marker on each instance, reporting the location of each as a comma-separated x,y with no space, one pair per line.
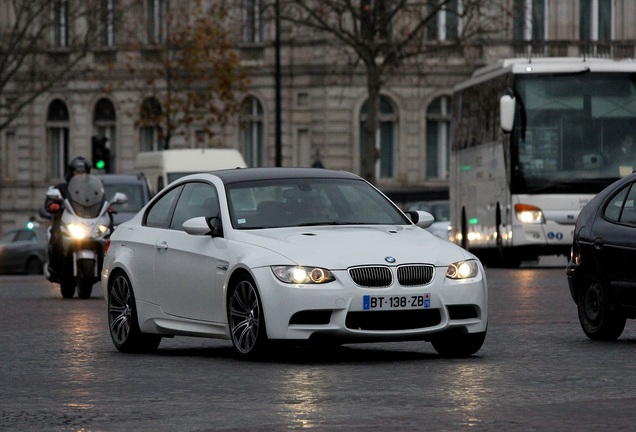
342,247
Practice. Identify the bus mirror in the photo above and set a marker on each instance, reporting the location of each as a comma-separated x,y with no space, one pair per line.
507,112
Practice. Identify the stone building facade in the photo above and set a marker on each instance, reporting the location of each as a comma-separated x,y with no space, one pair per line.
322,97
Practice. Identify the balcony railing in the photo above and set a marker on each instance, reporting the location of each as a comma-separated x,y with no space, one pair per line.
617,49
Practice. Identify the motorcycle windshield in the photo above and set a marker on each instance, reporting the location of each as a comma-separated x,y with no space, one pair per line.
86,195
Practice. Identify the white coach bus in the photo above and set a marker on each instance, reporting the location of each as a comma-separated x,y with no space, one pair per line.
533,141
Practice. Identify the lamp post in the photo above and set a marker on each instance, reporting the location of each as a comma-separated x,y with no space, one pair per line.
277,73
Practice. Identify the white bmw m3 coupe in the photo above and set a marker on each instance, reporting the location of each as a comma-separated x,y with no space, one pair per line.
297,255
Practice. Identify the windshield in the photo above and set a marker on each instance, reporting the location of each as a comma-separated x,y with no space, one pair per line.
307,202
86,195
570,130
134,193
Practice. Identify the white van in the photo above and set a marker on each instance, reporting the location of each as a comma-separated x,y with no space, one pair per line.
163,167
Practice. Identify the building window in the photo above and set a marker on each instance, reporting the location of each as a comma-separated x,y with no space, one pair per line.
8,155
251,132
107,23
596,17
529,20
253,30
385,138
57,135
438,117
446,25
155,15
104,126
60,23
151,135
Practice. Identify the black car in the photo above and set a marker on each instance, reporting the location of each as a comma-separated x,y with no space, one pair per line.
136,189
23,250
602,269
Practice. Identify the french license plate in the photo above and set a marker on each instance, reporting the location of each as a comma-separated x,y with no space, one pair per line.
396,302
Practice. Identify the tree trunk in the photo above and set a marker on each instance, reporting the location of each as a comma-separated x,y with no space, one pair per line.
371,153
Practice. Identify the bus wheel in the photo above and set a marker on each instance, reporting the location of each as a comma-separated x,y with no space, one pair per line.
510,259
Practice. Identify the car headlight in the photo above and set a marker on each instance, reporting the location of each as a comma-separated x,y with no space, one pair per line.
462,270
302,275
529,214
77,231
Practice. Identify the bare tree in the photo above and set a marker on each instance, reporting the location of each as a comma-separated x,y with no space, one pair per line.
196,77
382,36
42,45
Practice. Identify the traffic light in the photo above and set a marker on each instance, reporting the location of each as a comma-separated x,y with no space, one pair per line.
101,154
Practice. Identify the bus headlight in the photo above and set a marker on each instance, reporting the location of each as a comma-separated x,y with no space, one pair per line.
529,214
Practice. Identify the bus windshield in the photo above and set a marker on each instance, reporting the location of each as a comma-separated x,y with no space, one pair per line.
573,131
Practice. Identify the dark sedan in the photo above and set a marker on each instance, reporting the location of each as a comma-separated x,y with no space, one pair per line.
602,269
23,250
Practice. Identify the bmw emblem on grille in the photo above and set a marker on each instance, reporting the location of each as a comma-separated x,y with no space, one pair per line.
389,259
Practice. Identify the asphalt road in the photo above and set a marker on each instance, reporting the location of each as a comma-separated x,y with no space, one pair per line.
536,372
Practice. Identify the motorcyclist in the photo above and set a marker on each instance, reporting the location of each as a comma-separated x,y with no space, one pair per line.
77,165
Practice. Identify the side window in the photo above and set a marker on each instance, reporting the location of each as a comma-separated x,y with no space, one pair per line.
622,207
25,235
197,199
159,214
628,216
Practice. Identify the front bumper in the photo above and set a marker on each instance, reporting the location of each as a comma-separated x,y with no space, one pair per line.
337,310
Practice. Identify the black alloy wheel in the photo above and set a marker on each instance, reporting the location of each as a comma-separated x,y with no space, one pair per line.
246,319
123,321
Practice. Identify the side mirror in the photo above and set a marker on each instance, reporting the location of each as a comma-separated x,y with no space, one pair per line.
119,198
54,194
201,226
507,112
421,218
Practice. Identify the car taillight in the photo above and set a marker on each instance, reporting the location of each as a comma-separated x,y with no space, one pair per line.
107,246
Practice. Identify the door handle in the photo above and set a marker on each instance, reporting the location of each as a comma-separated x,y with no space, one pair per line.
161,246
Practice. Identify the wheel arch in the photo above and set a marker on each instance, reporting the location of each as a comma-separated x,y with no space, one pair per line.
31,258
236,274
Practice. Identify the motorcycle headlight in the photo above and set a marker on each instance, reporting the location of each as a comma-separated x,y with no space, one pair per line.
77,231
302,275
102,229
462,270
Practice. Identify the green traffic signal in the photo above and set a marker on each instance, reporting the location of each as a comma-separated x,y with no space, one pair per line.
100,164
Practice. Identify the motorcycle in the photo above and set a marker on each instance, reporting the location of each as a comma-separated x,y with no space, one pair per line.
86,223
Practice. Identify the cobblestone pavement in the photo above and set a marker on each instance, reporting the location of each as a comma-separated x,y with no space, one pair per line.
537,372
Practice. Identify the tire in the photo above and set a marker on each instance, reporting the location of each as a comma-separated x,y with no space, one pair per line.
510,260
599,318
85,288
246,319
459,345
85,282
67,287
34,266
123,321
